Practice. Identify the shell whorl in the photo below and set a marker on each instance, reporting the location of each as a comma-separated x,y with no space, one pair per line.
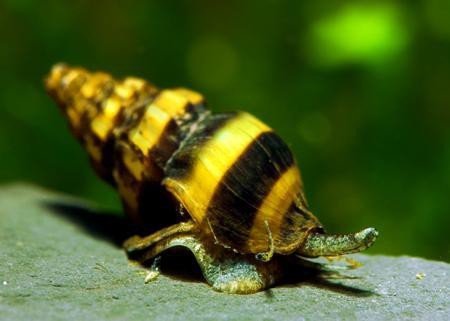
95,104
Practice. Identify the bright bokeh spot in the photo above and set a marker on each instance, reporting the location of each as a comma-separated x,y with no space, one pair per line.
358,34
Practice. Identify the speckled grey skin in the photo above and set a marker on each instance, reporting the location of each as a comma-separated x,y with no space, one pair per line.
332,245
223,269
61,261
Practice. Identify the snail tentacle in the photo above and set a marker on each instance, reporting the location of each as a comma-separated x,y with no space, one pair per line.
318,244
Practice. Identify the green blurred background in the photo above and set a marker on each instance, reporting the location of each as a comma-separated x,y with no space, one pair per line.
360,90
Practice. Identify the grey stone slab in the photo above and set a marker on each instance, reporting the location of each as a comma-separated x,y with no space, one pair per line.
60,260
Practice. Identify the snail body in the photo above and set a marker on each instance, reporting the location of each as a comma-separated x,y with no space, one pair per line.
223,185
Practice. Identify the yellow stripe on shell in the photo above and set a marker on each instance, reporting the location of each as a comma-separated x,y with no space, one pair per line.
212,162
104,122
92,87
66,89
124,92
74,118
273,209
132,163
158,114
135,83
93,149
194,97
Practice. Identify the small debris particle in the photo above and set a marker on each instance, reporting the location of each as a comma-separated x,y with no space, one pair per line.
5,283
420,276
352,264
152,275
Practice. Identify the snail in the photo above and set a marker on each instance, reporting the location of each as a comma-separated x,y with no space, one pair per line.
225,186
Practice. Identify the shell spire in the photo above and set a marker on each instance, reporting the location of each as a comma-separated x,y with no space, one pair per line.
94,103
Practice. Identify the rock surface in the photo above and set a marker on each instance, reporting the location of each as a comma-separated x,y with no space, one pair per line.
61,261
